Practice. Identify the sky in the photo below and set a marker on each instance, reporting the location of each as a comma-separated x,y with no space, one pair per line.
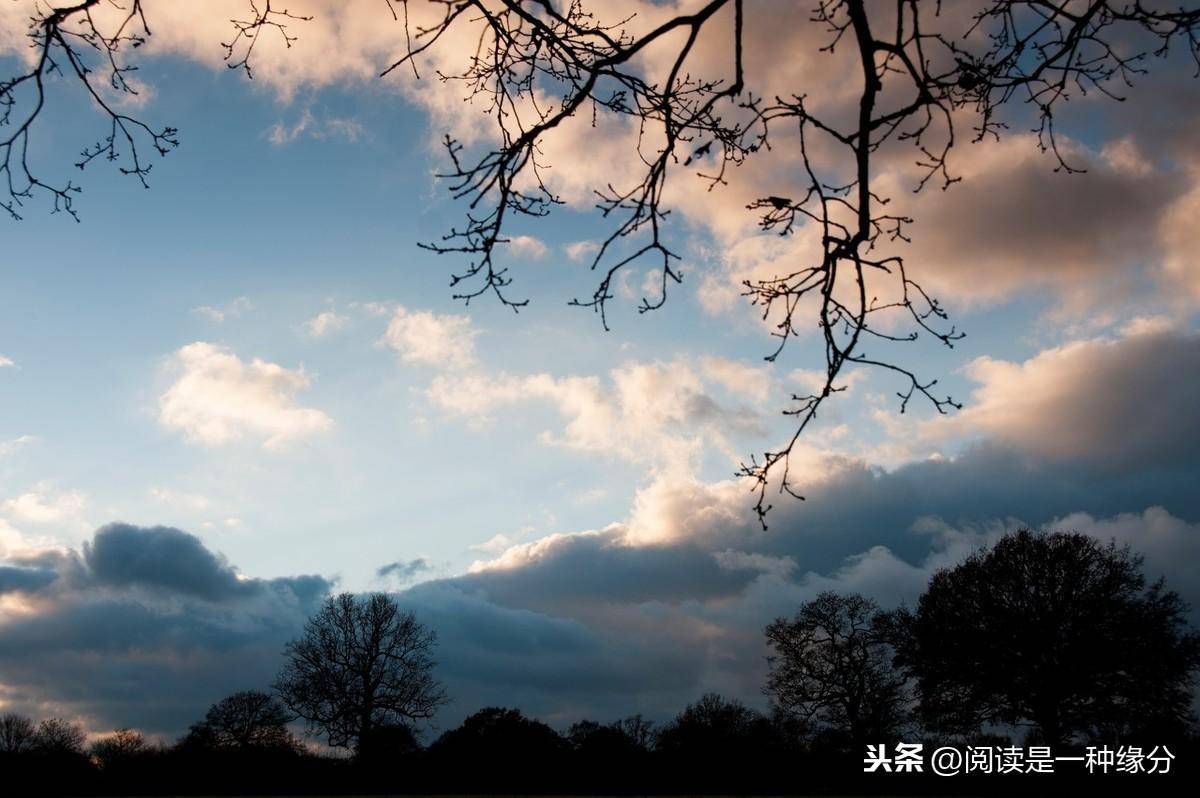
227,395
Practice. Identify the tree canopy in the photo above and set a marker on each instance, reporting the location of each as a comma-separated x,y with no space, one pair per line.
360,664
1054,631
831,665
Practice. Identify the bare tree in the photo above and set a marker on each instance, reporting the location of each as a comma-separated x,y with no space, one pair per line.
537,64
247,719
922,68
832,664
16,733
362,663
59,736
120,746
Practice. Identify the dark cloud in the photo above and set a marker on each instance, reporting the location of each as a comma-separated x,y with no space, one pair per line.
403,570
146,627
597,624
557,668
14,579
162,558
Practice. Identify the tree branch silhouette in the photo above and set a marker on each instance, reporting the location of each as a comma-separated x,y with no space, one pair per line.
72,43
535,64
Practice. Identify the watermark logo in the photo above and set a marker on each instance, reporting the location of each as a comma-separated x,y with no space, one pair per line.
995,759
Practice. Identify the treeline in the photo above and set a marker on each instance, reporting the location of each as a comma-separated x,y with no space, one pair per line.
1050,641
714,746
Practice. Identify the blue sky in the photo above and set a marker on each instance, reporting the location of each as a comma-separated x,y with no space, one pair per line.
569,490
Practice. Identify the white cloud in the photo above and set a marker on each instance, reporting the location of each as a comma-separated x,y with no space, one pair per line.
180,499
325,323
10,446
434,339
373,308
230,310
659,414
496,543
751,381
319,128
6,362
217,398
43,505
579,250
527,247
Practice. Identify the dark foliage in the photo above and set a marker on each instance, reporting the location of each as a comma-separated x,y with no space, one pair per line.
1056,631
16,733
246,720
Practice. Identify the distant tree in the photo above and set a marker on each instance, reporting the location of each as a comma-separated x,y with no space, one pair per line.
120,746
1055,631
17,733
832,667
57,736
716,726
245,720
639,730
500,733
608,742
361,663
386,742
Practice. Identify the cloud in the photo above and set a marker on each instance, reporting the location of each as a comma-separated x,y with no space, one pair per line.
6,362
580,250
142,627
44,505
230,310
403,570
689,580
526,247
495,544
658,413
325,323
433,339
1181,239
319,129
217,398
161,559
1122,403
10,446
1014,225
180,499
26,580
753,382
1061,441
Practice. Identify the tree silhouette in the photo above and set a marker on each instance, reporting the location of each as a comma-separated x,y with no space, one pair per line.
1056,631
538,64
119,747
923,72
59,737
508,752
500,733
716,726
16,733
246,720
832,665
621,738
361,663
